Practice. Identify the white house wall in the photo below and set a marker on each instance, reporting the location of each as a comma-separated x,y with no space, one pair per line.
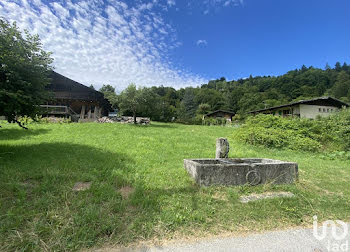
312,111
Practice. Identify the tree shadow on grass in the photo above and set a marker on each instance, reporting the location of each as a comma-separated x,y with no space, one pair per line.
16,134
37,200
62,159
36,184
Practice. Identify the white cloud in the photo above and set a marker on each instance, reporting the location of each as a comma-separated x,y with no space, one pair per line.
97,43
171,2
202,42
223,2
60,10
218,4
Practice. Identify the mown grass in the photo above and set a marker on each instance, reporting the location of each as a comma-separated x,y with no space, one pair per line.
38,168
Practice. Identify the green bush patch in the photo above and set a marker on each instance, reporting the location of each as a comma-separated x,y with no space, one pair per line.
322,134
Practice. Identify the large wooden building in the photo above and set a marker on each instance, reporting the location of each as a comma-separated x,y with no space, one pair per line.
72,99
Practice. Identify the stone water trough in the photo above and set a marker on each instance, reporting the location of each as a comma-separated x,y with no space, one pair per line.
240,171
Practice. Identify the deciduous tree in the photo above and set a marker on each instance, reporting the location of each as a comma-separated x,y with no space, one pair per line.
110,95
24,72
130,100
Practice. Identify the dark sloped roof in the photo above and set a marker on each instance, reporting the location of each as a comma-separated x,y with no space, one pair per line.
326,100
66,88
223,111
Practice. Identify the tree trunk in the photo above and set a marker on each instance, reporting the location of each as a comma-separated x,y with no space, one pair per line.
20,124
134,117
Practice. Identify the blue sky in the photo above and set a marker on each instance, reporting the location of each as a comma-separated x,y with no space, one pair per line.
266,37
184,43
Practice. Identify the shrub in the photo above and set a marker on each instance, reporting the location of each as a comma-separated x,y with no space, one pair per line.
25,120
55,120
339,124
332,133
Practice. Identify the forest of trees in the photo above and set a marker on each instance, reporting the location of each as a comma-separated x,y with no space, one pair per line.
240,96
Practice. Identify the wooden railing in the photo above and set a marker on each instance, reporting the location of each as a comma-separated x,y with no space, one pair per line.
55,110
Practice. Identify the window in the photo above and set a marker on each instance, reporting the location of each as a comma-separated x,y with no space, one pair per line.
328,110
319,110
324,110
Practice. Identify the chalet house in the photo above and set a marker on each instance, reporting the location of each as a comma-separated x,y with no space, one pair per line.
220,114
321,106
72,99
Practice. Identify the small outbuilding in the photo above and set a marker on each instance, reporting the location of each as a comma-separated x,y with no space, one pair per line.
321,106
221,114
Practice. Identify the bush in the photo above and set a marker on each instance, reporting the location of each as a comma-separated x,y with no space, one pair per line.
59,120
331,133
25,120
190,121
339,125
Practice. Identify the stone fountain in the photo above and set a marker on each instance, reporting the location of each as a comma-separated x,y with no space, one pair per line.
239,171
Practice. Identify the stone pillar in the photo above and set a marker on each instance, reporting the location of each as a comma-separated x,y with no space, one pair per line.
100,113
82,112
222,148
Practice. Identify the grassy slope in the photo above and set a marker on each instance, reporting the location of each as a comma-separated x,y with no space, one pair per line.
39,167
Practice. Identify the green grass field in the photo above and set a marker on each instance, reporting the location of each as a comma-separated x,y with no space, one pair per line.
38,168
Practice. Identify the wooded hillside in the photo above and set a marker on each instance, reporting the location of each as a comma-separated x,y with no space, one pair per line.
258,92
245,95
